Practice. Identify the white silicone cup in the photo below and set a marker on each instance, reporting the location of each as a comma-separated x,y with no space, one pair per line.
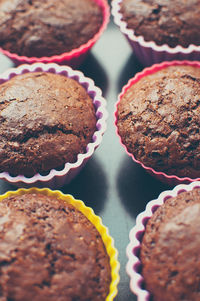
148,52
55,178
134,264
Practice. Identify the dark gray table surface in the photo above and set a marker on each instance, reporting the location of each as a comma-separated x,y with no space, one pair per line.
111,183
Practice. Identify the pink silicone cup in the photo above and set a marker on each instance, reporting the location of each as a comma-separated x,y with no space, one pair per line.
148,52
133,266
57,178
163,177
73,58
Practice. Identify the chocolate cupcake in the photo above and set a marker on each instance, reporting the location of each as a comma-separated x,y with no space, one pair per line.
52,120
170,248
157,119
164,248
48,31
164,22
50,250
47,120
160,30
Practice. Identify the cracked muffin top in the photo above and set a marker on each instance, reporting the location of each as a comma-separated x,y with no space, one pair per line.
171,22
46,120
158,120
170,249
36,28
49,251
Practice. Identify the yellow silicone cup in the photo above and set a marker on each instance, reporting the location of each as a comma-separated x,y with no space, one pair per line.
94,219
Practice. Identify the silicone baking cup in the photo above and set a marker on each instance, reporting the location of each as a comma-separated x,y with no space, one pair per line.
133,266
94,219
57,178
73,58
148,52
163,177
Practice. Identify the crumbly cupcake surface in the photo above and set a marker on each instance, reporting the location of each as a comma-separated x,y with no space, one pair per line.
46,120
50,251
158,120
170,249
44,28
171,22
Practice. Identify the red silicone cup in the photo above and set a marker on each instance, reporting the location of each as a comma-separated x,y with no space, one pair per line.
163,177
134,264
73,58
55,178
148,52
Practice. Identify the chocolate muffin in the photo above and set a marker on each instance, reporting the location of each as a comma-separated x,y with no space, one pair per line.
158,120
50,251
44,28
46,121
170,249
171,22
